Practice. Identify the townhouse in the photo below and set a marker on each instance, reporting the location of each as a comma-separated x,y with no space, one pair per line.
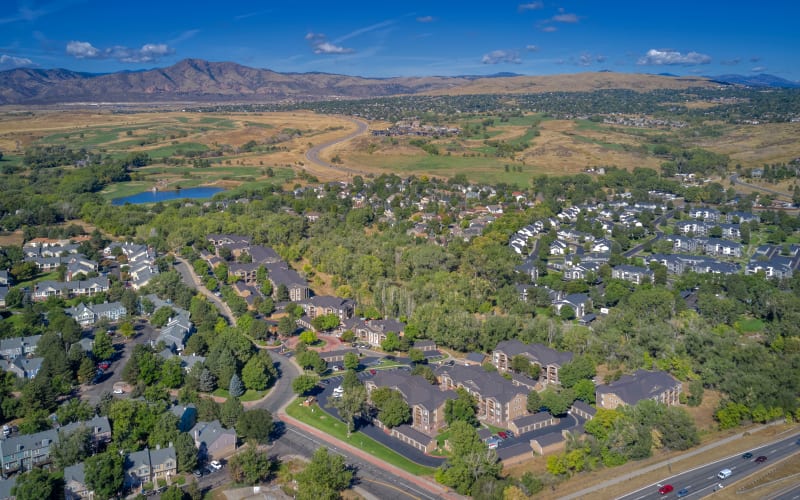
88,287
87,315
374,331
25,451
633,274
319,305
212,440
425,401
148,466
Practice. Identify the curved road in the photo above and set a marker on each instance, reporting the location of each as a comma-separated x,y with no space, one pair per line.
735,180
375,479
312,154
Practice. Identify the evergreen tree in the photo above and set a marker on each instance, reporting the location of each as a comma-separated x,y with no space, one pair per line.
207,381
235,388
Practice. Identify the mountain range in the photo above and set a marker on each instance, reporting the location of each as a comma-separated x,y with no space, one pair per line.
199,80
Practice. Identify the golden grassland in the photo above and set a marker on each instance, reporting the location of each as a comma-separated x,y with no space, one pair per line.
562,147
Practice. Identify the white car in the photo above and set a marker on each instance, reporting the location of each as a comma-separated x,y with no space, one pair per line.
338,392
118,390
215,464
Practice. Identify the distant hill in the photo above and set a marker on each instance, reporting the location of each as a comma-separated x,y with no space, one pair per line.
199,80
761,80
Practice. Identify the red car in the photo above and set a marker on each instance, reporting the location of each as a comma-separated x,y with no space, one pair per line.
761,459
502,435
667,488
104,365
373,371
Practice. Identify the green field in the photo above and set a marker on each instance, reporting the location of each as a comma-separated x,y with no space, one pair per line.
249,395
314,416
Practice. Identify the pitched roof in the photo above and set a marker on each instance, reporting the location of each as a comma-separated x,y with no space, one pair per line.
640,385
209,432
532,419
538,353
415,389
487,384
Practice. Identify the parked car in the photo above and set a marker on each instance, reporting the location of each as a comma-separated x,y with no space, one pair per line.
747,456
373,371
104,365
216,464
197,473
493,442
761,459
338,392
667,488
502,435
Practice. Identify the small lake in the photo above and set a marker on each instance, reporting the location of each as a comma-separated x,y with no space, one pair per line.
197,193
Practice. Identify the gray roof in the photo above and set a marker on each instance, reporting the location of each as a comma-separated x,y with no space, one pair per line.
28,441
487,384
209,432
413,433
416,390
262,255
136,459
159,456
549,438
339,352
580,405
5,487
475,357
75,473
280,274
642,384
17,343
97,425
532,419
538,353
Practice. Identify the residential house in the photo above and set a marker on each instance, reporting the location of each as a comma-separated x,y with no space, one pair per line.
26,368
717,246
25,451
19,346
630,389
558,247
244,271
75,487
633,274
499,400
99,426
148,466
579,302
88,287
187,416
87,315
212,440
581,271
705,213
176,332
227,239
550,360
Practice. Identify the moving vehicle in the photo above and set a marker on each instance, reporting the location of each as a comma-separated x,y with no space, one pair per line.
761,459
747,456
725,473
667,488
683,493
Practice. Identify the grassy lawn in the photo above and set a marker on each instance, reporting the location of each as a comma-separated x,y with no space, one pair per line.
316,417
750,325
52,275
249,394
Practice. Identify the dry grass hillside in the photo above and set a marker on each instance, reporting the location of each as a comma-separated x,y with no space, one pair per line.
578,82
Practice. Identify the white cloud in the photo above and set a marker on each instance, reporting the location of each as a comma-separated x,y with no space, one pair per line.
532,48
82,50
658,57
530,6
426,19
565,18
759,69
549,29
149,52
320,44
329,48
501,56
11,62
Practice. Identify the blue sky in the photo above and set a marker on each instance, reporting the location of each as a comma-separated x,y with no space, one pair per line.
408,38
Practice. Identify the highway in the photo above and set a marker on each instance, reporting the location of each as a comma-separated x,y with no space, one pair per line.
702,481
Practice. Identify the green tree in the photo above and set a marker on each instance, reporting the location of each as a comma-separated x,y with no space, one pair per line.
352,404
230,411
255,373
255,425
250,467
308,337
557,402
324,477
534,402
172,373
36,484
72,448
165,430
287,326
325,322
235,387
104,474
585,391
579,368
392,342
392,407
126,329
351,361
86,370
469,460
102,347
461,409
207,382
174,492
185,452
416,356
161,316
304,383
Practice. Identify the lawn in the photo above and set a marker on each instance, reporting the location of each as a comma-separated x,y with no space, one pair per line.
316,417
750,325
249,394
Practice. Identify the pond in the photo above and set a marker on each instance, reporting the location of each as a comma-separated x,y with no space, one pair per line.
197,193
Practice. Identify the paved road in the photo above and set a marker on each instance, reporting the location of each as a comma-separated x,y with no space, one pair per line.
735,180
702,481
790,493
312,154
191,279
